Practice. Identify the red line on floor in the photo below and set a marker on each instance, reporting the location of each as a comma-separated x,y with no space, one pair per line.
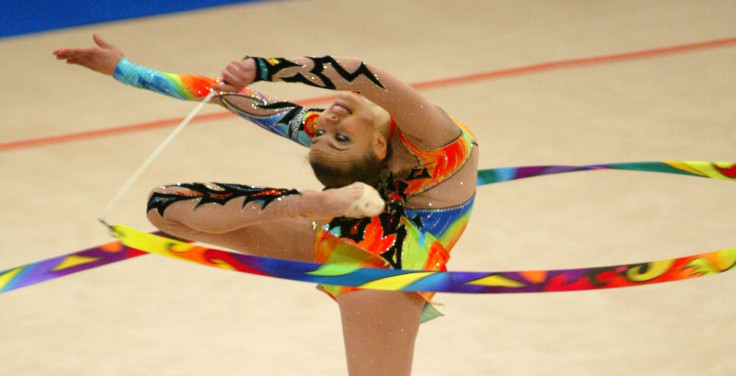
457,80
577,62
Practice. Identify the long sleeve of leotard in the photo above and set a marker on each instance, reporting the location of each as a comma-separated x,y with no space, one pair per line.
325,72
283,118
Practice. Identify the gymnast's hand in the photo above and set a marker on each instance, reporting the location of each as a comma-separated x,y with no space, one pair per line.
103,58
237,75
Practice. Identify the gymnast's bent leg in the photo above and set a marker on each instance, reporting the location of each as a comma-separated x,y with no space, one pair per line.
261,221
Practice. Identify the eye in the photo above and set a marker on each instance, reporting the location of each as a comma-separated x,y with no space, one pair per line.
342,138
318,132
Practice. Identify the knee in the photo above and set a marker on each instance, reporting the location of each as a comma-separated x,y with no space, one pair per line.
156,206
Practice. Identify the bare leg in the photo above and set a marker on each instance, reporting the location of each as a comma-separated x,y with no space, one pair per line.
380,329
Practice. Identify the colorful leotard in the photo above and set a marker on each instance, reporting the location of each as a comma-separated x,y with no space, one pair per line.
400,237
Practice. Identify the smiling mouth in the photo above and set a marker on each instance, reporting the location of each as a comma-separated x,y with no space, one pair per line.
340,108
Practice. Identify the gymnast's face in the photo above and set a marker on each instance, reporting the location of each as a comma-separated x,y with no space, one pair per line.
347,145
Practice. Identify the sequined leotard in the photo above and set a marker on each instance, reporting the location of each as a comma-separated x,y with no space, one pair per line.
401,237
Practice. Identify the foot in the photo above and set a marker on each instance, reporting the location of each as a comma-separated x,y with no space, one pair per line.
356,200
369,204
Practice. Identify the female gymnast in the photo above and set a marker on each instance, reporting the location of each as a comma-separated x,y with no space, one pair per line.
399,177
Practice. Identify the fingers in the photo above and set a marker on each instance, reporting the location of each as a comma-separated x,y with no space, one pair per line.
101,42
236,76
63,53
78,54
72,53
68,53
228,78
225,86
103,57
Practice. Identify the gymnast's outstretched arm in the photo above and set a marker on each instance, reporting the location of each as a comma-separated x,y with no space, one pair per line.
284,118
425,124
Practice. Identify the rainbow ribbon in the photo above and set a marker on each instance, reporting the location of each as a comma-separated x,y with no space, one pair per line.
133,243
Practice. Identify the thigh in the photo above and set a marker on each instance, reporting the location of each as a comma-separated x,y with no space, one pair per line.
380,329
285,238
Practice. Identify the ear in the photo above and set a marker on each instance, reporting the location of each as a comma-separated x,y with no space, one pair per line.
380,145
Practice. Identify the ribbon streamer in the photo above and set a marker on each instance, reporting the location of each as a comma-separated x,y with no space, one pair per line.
455,282
713,170
64,265
134,243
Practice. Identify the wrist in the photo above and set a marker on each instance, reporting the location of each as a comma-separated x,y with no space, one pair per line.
268,69
127,72
261,68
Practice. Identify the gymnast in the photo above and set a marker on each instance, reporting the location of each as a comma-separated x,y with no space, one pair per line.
399,177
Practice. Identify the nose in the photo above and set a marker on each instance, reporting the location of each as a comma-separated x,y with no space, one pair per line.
331,117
